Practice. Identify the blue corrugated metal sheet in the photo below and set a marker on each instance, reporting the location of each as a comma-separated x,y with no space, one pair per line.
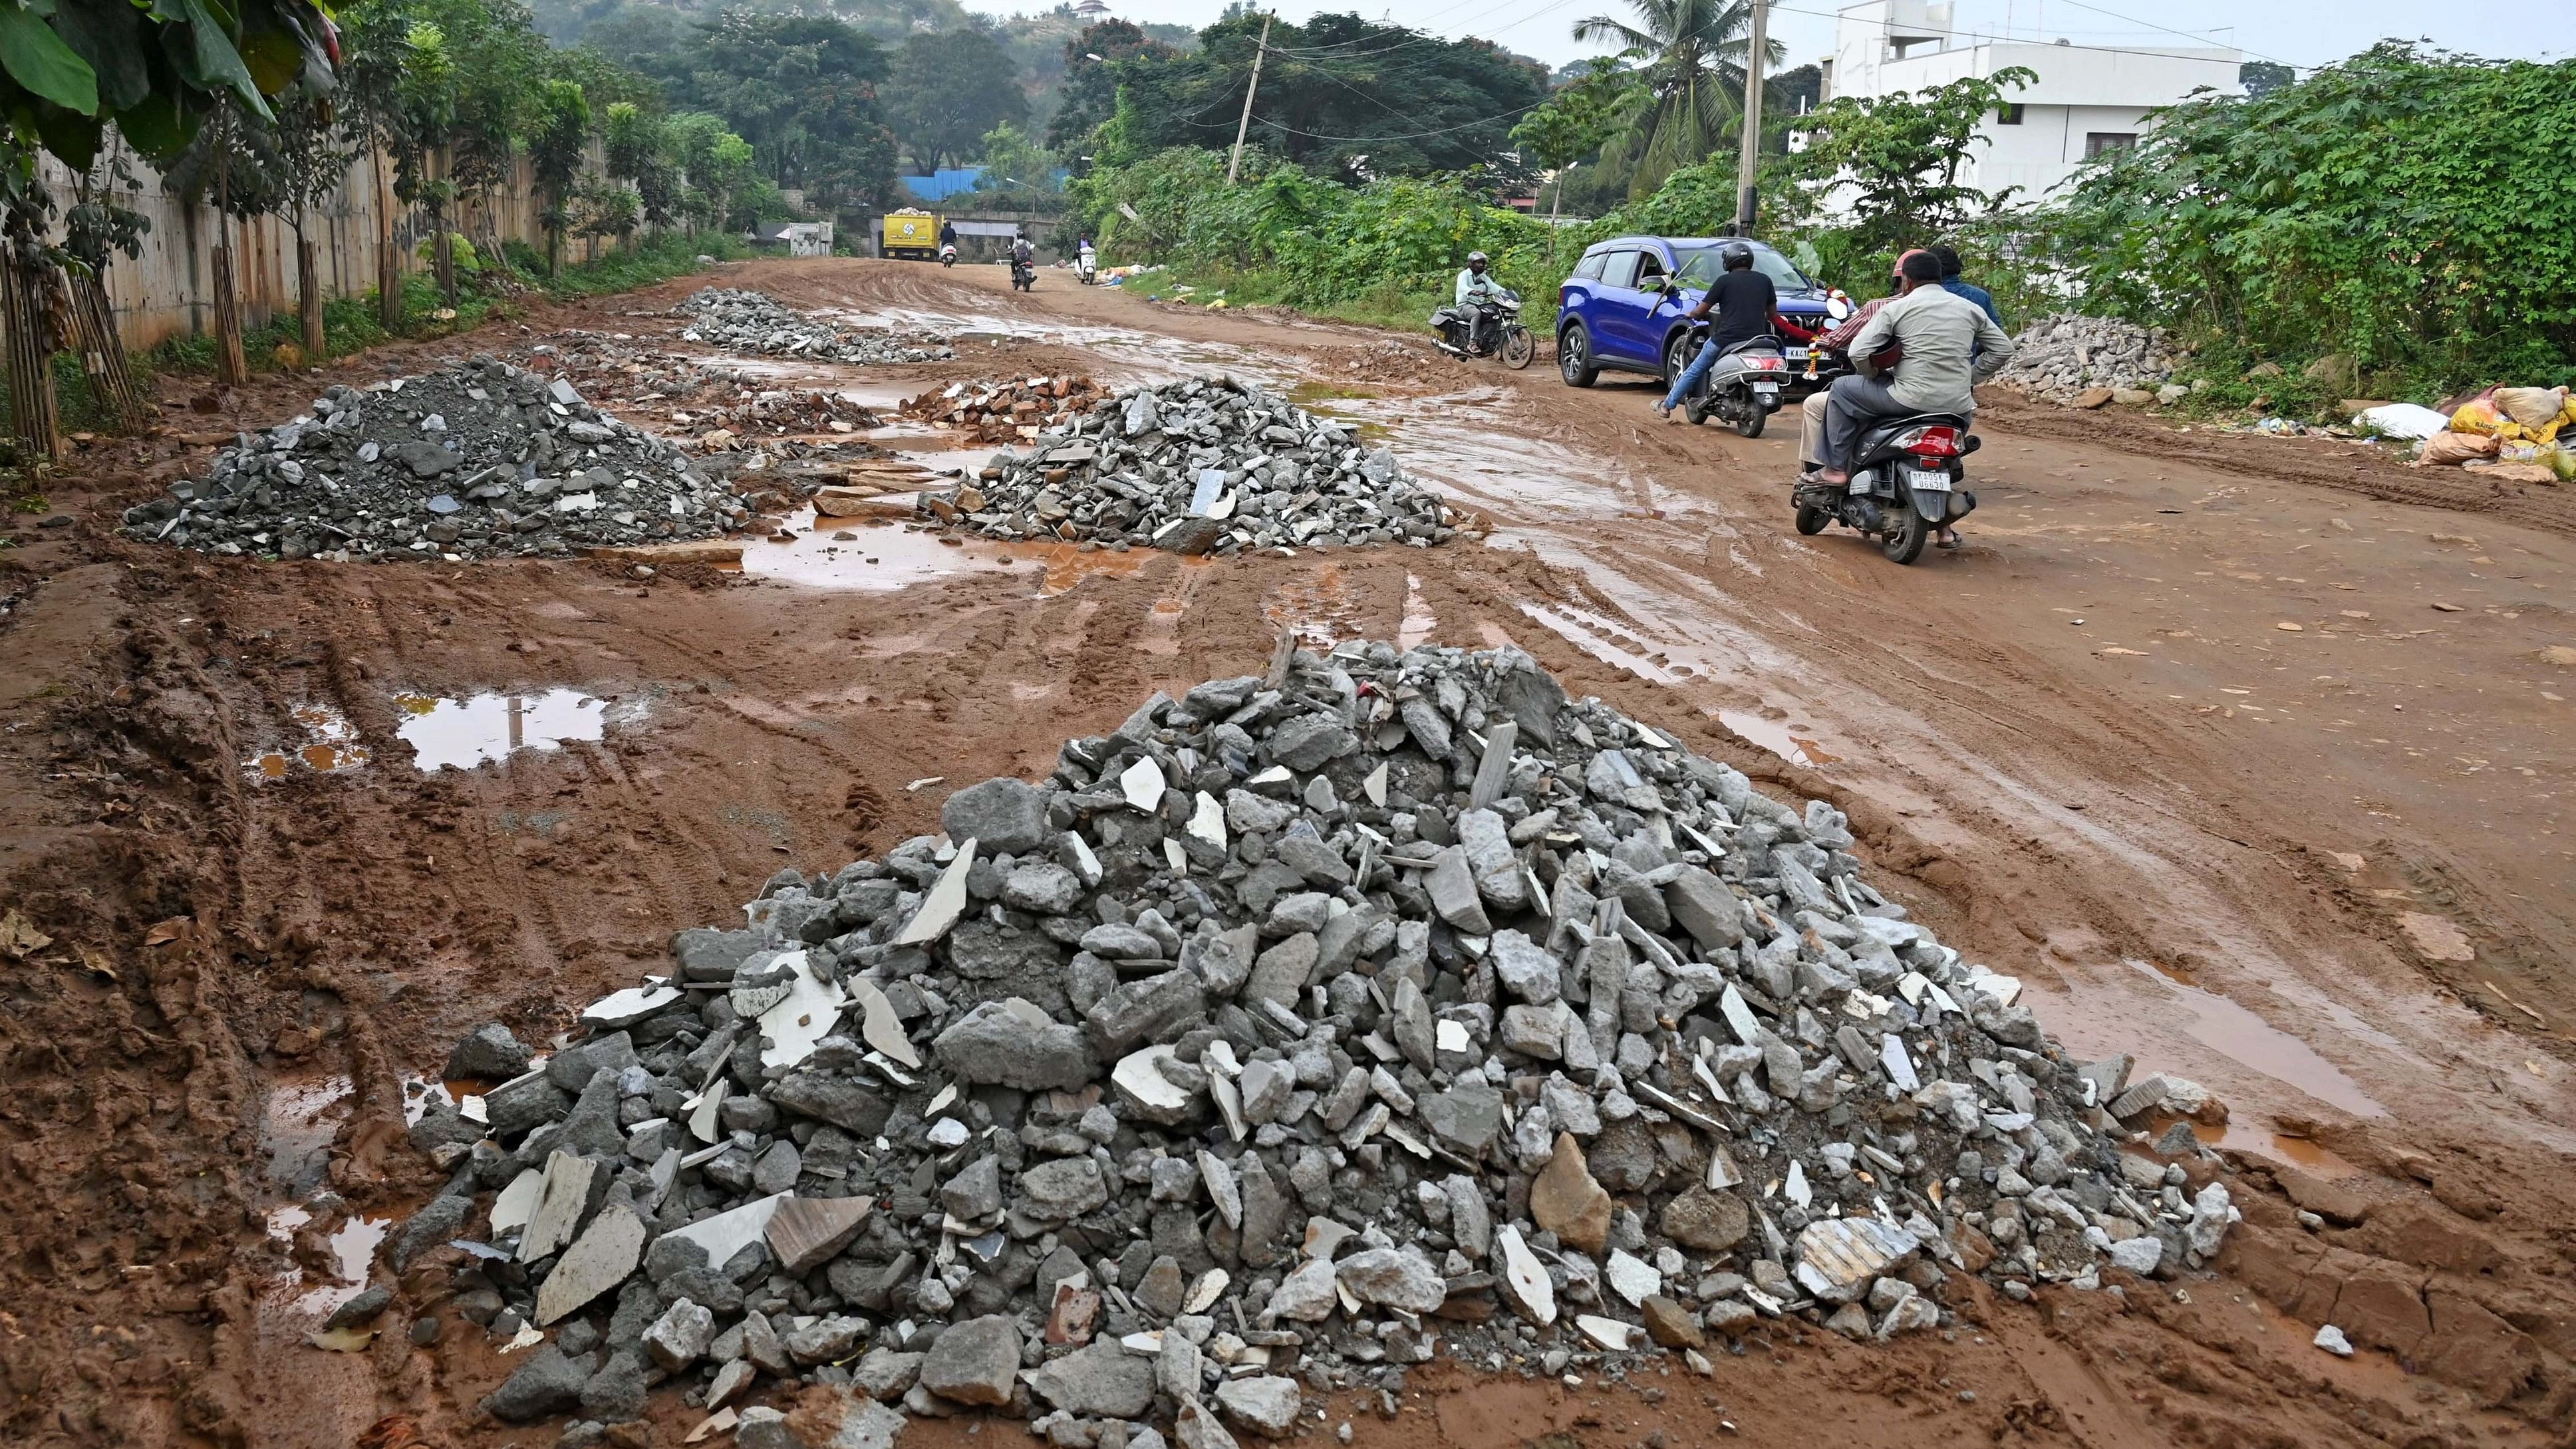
942,184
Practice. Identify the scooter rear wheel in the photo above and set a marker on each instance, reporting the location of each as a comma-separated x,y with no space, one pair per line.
1812,520
1750,425
1904,540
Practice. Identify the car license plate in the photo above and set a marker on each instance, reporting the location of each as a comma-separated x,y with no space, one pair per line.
1930,480
1797,354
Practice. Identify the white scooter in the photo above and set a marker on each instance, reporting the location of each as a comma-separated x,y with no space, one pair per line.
1085,266
948,254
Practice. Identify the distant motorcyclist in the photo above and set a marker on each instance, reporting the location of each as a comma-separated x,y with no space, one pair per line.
1744,301
1476,285
1022,253
947,233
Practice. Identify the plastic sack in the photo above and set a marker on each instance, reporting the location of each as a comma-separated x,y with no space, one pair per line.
2478,415
2533,407
2562,464
2444,450
2403,420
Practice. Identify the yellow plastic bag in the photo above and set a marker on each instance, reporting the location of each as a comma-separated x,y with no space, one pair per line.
2478,415
2562,463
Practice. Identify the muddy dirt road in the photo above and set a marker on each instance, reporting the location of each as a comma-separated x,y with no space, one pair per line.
2249,756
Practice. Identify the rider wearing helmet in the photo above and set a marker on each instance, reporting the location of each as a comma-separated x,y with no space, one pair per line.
1476,284
1743,300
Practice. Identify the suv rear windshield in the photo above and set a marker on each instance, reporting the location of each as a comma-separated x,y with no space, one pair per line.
1701,267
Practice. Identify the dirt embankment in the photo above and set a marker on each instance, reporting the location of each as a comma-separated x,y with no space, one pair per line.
2197,835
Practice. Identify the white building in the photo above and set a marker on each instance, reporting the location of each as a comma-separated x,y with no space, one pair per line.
2087,98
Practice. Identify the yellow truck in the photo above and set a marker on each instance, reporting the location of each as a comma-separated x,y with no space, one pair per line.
910,233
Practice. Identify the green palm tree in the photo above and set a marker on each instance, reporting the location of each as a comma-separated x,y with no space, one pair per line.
1692,54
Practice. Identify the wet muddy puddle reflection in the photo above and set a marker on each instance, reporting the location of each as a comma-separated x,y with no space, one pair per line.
330,745
879,554
461,733
2238,1034
1777,738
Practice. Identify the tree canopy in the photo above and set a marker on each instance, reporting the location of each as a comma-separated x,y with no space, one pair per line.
948,89
1692,54
1340,95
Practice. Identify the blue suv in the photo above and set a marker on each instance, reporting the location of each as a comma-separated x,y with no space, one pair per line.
1612,312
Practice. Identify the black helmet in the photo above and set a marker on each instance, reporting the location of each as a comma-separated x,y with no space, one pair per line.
1476,259
1736,256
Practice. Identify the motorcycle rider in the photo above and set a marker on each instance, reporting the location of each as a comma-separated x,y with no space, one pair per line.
1744,301
1476,285
947,233
1022,254
1949,347
1084,260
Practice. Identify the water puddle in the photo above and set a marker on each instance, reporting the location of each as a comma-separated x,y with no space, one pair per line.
1419,620
2299,1152
2241,1036
459,734
353,1253
1319,607
1613,643
1775,737
330,745
880,554
295,1132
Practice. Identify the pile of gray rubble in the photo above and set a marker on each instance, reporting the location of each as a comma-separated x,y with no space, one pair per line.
743,321
1303,1028
2064,357
482,460
1208,465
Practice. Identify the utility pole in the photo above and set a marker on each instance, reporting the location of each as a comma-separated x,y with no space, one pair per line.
1752,153
1241,126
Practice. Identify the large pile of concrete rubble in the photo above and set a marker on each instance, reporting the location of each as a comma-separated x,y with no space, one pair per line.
1303,1028
2060,358
755,322
482,460
1209,465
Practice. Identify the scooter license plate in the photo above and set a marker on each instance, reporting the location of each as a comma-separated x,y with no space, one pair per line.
1927,480
1766,389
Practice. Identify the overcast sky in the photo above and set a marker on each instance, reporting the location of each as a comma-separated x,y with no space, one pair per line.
2300,32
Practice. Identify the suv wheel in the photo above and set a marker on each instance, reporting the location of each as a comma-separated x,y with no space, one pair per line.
1574,357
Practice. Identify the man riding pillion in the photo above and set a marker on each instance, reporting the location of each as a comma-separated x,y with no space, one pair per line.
1949,346
1477,285
1743,300
1811,433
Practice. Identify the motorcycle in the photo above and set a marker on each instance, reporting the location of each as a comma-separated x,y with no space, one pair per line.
1085,267
1024,275
1905,482
1743,389
1490,326
948,254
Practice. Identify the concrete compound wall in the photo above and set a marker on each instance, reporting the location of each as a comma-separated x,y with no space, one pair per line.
169,290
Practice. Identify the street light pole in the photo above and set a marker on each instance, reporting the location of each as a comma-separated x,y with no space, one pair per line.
1245,124
1752,153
